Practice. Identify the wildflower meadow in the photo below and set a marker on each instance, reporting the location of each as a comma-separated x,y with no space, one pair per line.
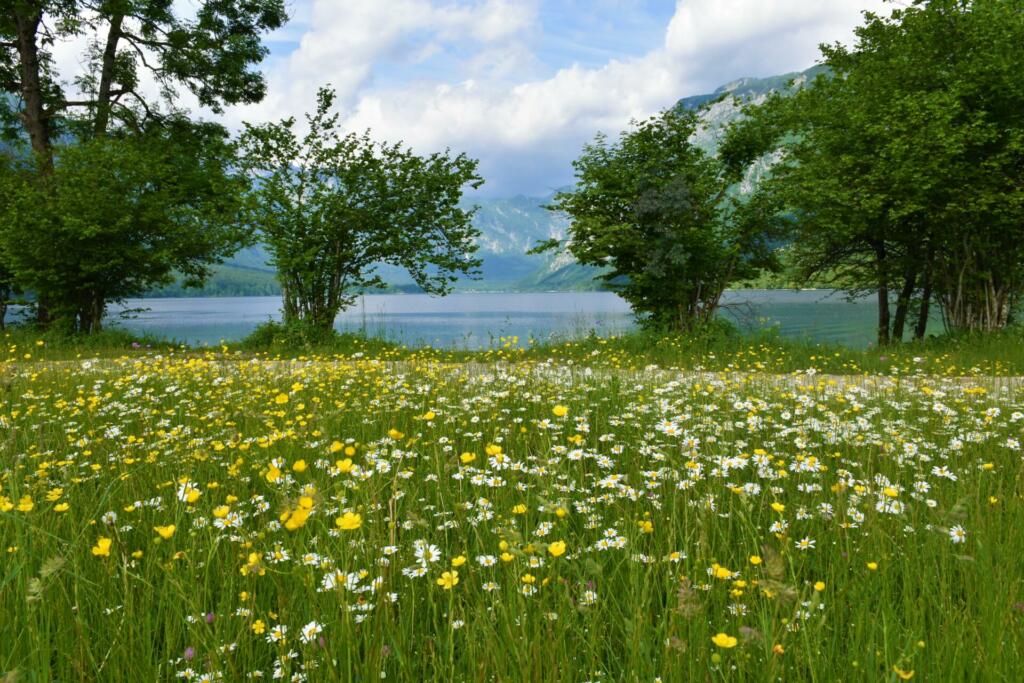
169,515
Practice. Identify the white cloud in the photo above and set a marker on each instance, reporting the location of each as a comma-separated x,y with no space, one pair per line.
527,132
470,74
346,39
763,37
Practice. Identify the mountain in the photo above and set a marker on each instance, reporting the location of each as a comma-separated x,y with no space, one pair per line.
509,227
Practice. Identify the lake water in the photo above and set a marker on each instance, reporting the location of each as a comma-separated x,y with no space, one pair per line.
480,319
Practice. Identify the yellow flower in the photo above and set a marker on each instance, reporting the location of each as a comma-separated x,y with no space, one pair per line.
904,675
819,586
273,474
299,466
281,399
61,507
645,526
429,415
448,580
724,640
395,434
344,466
778,507
557,549
529,578
295,519
102,547
493,449
258,627
25,504
560,411
755,560
519,509
459,561
467,458
350,521
720,572
165,531
137,554
872,566
336,446
221,511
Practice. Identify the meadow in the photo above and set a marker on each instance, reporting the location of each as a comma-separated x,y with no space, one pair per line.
600,511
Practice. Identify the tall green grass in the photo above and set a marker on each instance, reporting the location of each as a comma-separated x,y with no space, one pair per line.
879,596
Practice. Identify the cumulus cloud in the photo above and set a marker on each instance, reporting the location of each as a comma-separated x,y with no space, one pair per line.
346,40
527,131
758,37
475,75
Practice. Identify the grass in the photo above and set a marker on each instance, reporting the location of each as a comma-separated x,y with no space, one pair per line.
164,514
720,350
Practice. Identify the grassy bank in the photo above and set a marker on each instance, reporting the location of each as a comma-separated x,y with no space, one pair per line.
722,349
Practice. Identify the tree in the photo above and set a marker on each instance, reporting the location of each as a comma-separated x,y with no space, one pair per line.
331,207
211,53
654,210
126,214
210,50
904,165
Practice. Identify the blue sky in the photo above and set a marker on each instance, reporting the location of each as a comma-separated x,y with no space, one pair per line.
523,84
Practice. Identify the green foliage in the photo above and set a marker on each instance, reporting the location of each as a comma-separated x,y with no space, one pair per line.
301,337
903,167
332,207
118,216
652,209
121,187
211,50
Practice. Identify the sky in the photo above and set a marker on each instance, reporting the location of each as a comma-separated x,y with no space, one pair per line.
522,85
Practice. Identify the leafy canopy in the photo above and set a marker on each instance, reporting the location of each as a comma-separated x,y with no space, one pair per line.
331,207
654,210
120,216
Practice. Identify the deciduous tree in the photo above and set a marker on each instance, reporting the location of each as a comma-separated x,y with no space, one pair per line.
331,207
655,211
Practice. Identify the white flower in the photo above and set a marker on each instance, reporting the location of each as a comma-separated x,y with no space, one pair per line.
805,543
277,634
311,631
957,534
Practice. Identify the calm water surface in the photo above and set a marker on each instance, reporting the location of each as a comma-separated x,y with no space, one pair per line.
480,319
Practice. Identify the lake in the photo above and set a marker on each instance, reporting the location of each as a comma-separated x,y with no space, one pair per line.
476,320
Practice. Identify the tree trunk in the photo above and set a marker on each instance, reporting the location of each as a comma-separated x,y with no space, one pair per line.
883,314
902,306
34,115
103,103
883,293
926,295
